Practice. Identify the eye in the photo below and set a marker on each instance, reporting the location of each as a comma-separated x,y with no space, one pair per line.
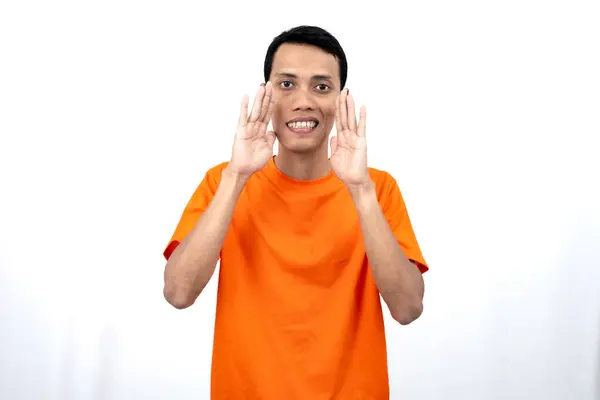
323,87
286,84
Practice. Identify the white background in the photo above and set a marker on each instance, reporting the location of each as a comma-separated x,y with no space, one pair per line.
485,112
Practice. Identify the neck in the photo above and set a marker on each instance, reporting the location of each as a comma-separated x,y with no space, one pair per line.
303,166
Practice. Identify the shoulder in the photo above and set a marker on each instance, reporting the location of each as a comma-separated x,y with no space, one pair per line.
384,181
211,178
388,191
215,171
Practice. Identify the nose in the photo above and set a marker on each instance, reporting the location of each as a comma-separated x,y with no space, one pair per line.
303,100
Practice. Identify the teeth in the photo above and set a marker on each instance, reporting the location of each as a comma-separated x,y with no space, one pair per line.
303,124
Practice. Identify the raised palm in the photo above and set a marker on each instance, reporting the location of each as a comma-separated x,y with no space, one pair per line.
349,147
253,145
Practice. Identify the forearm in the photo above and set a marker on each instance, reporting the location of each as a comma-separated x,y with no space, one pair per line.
398,280
192,264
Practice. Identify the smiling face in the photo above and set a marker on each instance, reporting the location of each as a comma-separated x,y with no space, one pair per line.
306,81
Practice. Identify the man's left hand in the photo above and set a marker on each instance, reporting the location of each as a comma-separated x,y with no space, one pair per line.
349,147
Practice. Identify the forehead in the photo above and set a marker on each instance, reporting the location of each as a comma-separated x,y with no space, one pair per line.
305,61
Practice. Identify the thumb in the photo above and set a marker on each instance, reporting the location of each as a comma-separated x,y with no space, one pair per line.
333,143
270,136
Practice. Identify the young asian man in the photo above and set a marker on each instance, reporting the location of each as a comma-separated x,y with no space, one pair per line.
307,242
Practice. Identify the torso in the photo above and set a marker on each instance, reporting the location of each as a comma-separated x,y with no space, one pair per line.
298,313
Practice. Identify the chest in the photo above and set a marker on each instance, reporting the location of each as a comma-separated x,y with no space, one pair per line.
304,229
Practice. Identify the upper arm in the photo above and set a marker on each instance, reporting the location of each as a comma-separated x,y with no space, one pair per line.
395,211
195,207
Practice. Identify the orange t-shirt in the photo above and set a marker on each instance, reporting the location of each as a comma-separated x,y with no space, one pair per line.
298,313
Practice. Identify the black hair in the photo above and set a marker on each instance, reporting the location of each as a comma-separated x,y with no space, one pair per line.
311,35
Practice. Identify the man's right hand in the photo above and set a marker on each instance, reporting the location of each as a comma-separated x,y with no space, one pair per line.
253,145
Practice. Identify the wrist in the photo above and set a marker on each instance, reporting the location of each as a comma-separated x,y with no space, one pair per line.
362,190
233,178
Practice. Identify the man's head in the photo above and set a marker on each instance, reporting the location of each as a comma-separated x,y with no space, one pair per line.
308,69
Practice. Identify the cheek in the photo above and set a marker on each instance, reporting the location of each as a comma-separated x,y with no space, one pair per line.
329,107
277,116
329,112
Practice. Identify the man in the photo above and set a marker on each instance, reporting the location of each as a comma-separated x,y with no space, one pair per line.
307,243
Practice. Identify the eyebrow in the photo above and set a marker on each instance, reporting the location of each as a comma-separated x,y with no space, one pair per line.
314,77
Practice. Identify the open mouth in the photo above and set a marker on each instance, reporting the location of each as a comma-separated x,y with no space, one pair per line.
303,125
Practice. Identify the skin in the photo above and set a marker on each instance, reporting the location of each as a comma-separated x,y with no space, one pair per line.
304,82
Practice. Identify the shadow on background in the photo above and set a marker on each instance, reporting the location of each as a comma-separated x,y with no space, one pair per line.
598,365
575,302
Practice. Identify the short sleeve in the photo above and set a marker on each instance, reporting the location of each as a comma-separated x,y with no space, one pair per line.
194,208
395,211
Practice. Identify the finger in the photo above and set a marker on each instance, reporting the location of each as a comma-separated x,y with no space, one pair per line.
243,111
266,102
338,118
338,123
351,113
256,107
362,123
333,144
271,106
343,110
